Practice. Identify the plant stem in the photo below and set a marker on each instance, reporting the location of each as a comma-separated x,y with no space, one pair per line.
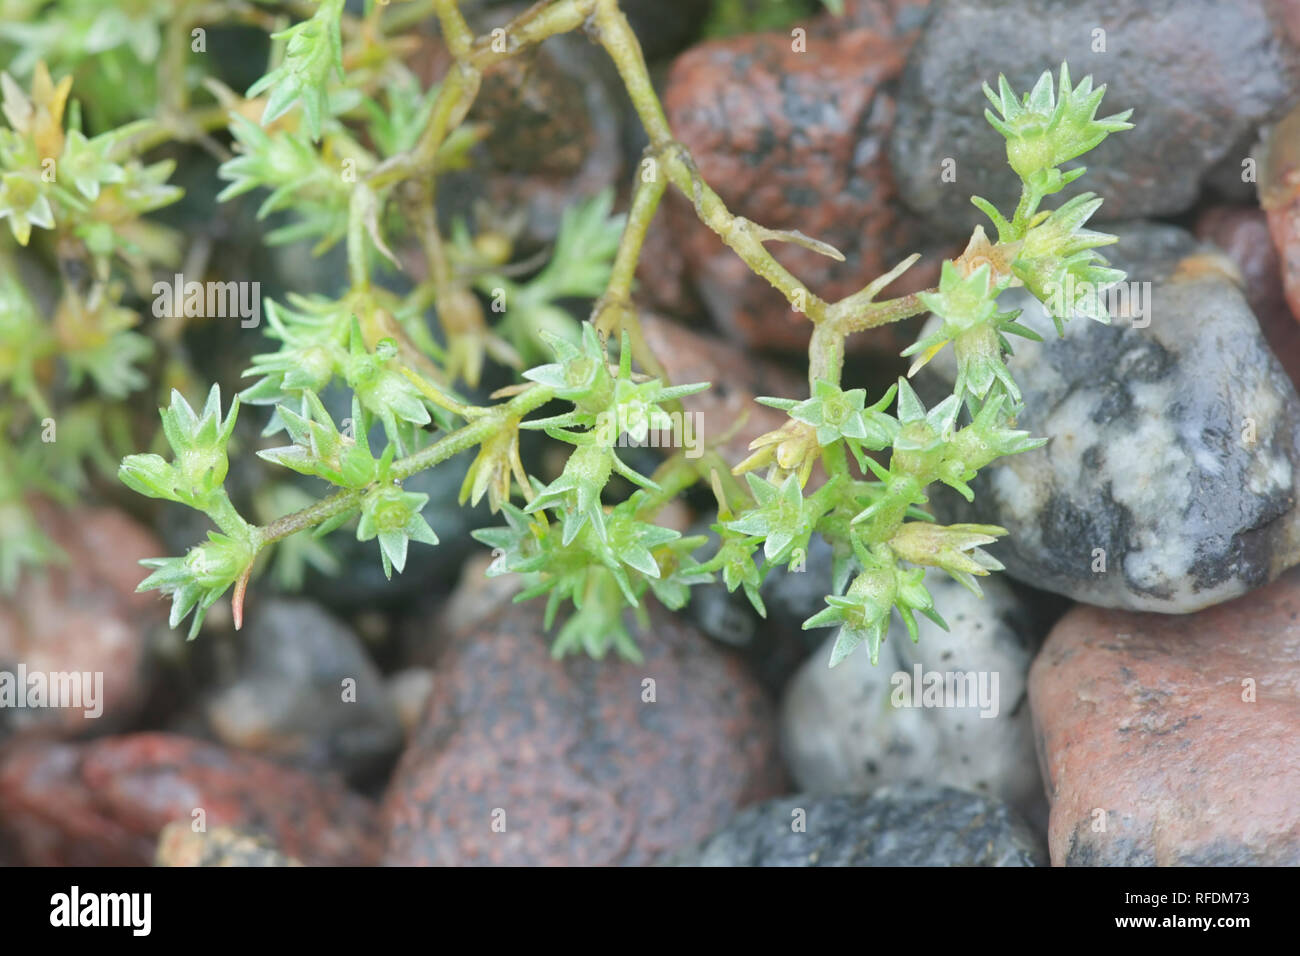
454,443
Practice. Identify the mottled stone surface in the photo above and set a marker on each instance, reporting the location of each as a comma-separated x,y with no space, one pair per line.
904,825
1242,233
793,139
180,845
1199,75
855,727
1169,482
83,615
554,116
105,803
1172,740
289,701
568,760
1279,194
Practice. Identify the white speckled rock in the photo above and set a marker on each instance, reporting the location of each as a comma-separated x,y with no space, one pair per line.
849,728
1151,495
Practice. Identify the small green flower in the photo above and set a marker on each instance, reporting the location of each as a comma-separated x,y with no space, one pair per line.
86,162
313,54
1045,130
383,391
863,613
782,517
839,414
393,516
990,435
580,373
1059,265
315,337
195,476
735,559
576,492
300,178
971,321
921,431
320,450
24,203
196,581
955,548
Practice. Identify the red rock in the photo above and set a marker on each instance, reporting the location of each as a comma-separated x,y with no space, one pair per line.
1146,727
1279,194
792,140
105,803
567,755
84,616
1243,233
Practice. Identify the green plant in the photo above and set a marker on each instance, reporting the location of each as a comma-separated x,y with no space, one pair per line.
568,538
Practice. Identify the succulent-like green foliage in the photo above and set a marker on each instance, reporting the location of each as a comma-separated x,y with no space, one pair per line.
355,156
313,54
1050,126
197,471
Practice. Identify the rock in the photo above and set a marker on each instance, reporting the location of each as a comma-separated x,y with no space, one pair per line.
105,803
523,760
792,139
1243,235
912,824
1171,741
1169,483
854,727
1279,194
409,691
81,617
1199,76
292,701
179,845
554,122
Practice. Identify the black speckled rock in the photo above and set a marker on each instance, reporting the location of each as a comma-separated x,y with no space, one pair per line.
903,825
1199,75
1170,480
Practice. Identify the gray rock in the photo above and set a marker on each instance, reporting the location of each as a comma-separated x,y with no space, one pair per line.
1200,76
288,700
904,825
854,727
1151,494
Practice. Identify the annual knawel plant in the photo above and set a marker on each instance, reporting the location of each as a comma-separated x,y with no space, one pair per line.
851,464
